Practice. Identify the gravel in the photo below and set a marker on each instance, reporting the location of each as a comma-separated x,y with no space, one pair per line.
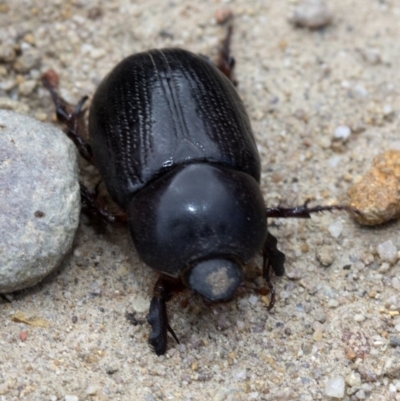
298,85
335,386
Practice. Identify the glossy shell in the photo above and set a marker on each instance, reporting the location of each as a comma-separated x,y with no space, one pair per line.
194,212
163,108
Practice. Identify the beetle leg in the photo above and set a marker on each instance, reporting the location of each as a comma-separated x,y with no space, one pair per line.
157,317
72,117
303,211
225,62
273,259
92,204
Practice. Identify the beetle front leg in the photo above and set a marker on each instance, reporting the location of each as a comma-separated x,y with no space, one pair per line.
157,317
273,259
72,117
93,206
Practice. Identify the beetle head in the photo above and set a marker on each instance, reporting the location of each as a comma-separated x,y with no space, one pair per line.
214,279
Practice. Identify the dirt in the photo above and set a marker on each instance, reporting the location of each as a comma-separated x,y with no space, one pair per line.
331,319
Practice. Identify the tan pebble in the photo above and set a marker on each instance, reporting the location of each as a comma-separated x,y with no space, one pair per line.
348,177
195,366
304,247
222,15
350,354
377,195
23,335
4,8
29,38
372,294
283,44
318,335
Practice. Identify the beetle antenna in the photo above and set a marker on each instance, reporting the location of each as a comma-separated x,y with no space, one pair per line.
304,212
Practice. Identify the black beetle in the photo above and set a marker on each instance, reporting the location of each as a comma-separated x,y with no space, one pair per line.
173,143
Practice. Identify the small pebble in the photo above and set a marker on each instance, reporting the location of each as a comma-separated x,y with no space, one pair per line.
29,59
394,341
336,228
240,375
333,303
71,398
325,255
371,56
27,87
253,299
139,304
359,317
387,251
23,335
311,14
91,390
359,91
377,194
335,386
342,132
7,53
8,104
353,379
396,283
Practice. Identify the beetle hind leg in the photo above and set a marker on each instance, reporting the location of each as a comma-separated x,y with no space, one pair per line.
273,259
73,118
225,62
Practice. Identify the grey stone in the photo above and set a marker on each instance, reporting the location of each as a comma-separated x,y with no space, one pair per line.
29,59
39,199
312,14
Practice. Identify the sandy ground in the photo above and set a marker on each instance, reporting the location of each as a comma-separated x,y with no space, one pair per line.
298,86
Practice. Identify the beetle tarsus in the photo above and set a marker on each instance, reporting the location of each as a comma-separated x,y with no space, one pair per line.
303,211
273,259
72,117
91,203
225,62
158,318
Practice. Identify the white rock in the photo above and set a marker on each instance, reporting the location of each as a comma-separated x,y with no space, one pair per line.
334,161
353,379
336,228
240,375
311,14
334,387
359,91
396,283
371,56
387,251
333,303
342,132
253,299
359,317
140,304
39,199
71,398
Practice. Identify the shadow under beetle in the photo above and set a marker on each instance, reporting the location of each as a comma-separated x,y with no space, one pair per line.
174,146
